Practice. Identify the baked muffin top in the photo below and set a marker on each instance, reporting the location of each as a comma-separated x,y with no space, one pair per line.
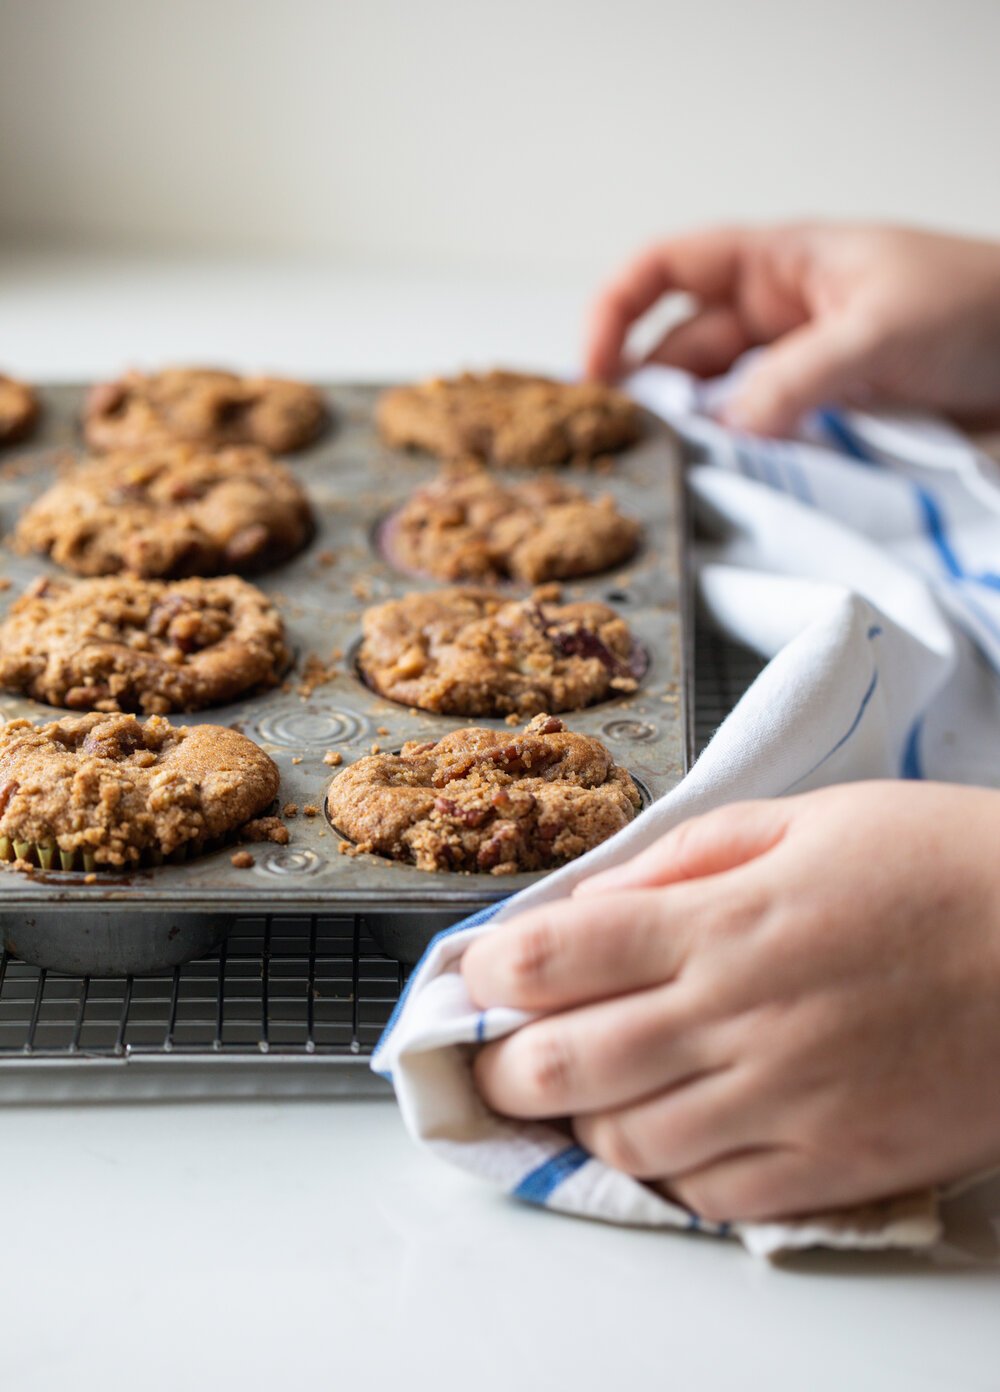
115,790
509,419
471,526
474,652
170,510
19,410
483,800
123,643
203,406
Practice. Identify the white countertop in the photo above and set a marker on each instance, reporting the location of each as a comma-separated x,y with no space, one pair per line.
257,1245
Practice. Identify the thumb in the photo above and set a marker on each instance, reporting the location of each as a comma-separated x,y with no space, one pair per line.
826,360
706,845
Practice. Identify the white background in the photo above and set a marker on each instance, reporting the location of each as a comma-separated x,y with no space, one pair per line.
531,136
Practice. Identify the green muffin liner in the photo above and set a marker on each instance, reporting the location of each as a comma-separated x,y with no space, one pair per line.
50,857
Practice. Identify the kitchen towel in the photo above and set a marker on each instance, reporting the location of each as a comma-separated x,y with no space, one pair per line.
861,559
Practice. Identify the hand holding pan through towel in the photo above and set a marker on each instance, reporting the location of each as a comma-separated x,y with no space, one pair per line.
779,1008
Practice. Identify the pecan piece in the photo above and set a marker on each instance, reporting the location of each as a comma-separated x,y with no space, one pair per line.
247,544
163,613
451,772
499,848
510,756
116,741
513,803
85,697
106,398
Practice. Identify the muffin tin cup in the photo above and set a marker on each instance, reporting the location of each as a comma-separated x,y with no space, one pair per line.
353,480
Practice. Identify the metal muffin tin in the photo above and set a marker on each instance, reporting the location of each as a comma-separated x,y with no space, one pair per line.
146,920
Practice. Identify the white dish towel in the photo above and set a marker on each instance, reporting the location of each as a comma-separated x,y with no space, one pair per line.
864,560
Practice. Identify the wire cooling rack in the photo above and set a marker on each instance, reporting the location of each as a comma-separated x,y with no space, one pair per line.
290,1005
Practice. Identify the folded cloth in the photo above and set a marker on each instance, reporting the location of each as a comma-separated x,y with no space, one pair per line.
858,560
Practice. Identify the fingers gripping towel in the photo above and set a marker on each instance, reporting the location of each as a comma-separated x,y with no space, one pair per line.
863,560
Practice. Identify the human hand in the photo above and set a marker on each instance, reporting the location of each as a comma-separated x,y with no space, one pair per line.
779,1008
853,314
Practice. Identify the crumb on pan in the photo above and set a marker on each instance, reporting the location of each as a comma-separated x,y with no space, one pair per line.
242,860
317,672
265,829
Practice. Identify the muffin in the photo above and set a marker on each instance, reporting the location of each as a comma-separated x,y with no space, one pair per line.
168,511
485,800
203,406
109,792
509,419
470,526
472,652
124,644
18,410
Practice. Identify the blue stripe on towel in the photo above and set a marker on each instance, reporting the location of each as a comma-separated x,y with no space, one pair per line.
744,460
933,520
931,512
844,737
935,529
764,461
696,1224
539,1184
912,767
843,436
934,526
798,479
